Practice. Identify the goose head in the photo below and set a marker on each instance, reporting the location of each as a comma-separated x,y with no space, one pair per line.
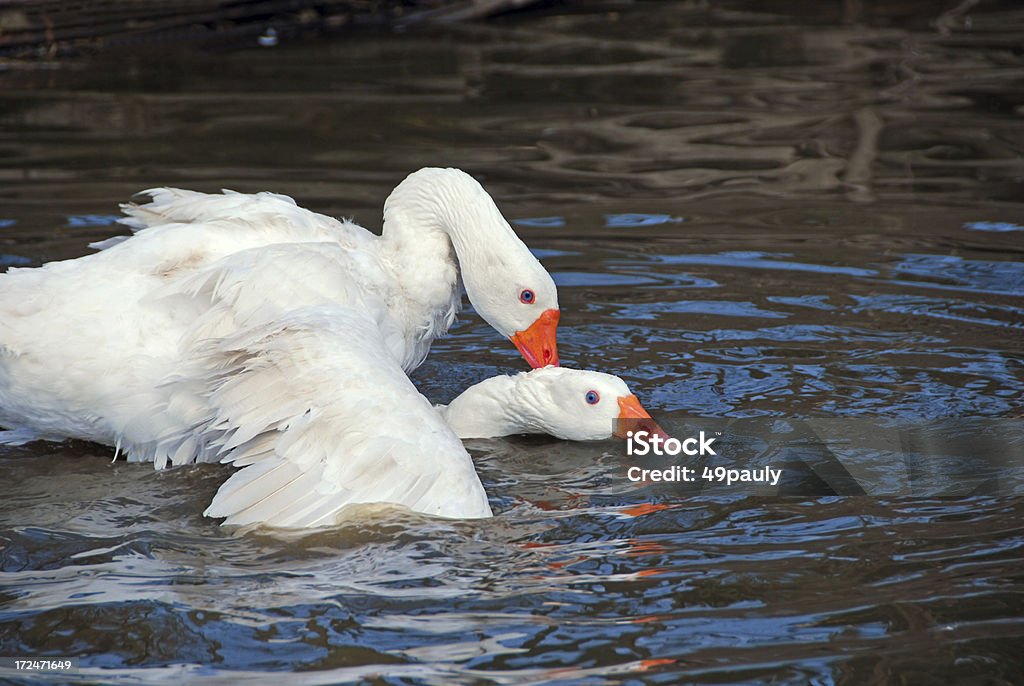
513,293
580,405
507,285
570,404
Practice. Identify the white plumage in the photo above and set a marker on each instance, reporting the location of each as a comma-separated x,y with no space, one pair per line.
309,409
572,404
243,328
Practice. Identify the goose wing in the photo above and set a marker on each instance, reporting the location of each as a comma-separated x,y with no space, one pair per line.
265,218
318,417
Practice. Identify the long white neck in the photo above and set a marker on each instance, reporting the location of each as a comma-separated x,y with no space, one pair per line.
428,220
489,409
448,206
437,212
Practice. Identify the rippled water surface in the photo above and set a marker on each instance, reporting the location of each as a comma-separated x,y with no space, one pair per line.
748,213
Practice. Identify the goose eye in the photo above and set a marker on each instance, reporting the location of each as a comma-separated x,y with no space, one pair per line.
593,397
526,296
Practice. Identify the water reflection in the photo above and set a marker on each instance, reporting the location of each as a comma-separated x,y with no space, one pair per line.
749,211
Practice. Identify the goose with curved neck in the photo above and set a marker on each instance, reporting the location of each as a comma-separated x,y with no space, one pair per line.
435,212
101,347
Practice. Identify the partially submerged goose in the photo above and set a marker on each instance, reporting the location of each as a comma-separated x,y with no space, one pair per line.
571,404
302,470
188,339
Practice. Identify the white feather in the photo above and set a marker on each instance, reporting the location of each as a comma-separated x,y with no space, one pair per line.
347,426
243,327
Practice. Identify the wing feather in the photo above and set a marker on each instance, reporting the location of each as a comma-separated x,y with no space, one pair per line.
319,416
277,216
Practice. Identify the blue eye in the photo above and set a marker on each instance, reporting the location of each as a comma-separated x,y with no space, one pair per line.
526,296
593,397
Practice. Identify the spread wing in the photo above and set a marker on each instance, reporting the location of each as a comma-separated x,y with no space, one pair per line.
318,416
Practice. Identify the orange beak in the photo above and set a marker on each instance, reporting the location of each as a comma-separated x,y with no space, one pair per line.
633,417
537,344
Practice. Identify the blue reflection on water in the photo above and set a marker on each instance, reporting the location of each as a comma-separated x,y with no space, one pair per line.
762,260
548,222
993,227
543,254
592,279
722,308
953,310
14,261
79,220
639,219
987,275
817,302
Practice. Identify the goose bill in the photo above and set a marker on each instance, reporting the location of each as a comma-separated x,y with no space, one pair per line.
537,344
633,417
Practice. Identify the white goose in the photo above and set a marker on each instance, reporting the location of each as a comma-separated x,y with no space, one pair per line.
244,328
570,404
304,473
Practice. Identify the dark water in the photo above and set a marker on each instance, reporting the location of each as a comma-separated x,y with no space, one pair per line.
748,212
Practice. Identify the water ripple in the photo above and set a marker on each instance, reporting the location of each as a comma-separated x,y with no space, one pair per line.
749,210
